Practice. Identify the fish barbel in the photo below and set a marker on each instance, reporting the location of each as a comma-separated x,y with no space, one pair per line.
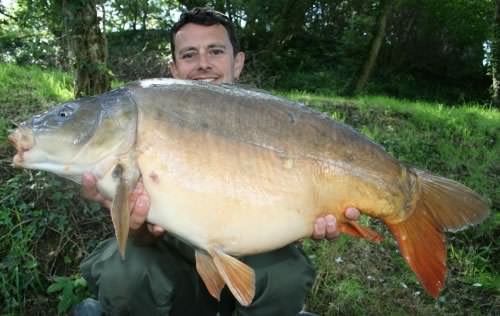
234,172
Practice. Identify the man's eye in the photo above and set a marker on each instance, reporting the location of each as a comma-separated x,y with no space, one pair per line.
217,51
187,55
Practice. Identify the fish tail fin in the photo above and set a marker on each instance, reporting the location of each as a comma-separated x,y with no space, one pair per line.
441,205
453,205
422,245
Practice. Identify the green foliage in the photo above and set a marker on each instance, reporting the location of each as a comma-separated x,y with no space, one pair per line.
25,90
315,82
432,50
72,291
43,221
139,54
459,143
139,14
31,34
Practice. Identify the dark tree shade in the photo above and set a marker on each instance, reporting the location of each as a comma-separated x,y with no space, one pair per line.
89,47
375,46
495,57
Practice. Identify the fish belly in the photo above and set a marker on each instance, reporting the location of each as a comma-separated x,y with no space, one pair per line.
212,192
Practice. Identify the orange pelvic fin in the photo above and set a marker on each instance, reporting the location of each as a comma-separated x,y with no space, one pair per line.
239,277
208,272
354,229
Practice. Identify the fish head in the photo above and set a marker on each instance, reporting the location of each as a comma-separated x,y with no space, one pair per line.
73,137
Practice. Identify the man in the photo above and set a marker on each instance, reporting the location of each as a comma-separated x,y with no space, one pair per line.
161,278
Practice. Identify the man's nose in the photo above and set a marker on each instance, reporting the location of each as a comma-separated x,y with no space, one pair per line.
204,62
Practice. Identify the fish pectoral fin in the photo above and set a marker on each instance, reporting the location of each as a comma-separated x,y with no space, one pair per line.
239,277
127,176
120,213
209,274
354,229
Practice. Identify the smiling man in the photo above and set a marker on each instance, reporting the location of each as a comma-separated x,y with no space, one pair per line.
161,278
205,53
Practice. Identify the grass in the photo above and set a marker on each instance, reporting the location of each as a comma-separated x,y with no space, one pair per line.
461,143
46,228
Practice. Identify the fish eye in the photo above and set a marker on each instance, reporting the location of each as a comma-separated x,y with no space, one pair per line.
65,112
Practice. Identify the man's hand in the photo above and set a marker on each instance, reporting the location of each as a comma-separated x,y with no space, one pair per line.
139,199
326,227
89,190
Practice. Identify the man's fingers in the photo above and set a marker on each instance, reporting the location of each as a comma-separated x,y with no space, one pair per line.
325,227
352,213
139,212
331,227
89,183
156,230
88,179
139,187
89,190
105,202
138,191
319,228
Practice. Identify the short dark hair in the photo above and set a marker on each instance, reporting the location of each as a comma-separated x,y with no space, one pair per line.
204,16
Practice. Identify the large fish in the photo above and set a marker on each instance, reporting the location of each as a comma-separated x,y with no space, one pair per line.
238,172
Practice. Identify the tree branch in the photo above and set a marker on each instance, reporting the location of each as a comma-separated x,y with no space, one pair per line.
4,13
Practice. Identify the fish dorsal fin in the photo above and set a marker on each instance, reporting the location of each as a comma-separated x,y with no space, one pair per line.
239,277
126,175
208,272
354,229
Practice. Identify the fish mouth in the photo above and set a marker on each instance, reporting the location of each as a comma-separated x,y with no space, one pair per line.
22,139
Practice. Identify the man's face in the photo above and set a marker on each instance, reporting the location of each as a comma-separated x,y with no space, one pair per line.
205,53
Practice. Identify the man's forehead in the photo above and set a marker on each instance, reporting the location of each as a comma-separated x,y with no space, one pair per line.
196,35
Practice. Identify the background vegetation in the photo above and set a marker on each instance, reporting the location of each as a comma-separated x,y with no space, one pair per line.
434,50
427,100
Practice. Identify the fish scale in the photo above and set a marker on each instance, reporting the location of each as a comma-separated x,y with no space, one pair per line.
234,171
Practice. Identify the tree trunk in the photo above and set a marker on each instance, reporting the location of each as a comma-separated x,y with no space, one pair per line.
89,47
103,20
375,47
495,58
145,13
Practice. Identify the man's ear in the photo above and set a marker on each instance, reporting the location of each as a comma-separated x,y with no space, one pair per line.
173,69
239,62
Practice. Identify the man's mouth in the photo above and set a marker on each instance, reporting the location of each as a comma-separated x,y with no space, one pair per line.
212,79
